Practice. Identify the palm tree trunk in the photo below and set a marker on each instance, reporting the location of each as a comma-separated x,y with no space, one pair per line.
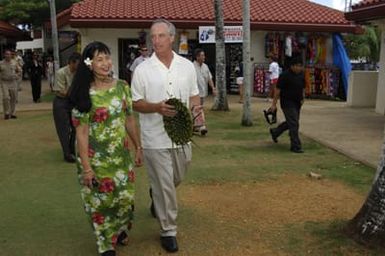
368,226
220,102
246,117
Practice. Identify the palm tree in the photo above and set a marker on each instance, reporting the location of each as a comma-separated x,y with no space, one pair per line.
366,46
246,117
368,226
220,102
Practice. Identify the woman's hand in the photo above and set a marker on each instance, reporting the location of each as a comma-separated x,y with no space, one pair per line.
139,157
88,177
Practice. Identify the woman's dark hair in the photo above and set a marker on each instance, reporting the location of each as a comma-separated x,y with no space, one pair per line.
79,95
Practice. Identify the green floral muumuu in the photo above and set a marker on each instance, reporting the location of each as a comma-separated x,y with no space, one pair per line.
110,204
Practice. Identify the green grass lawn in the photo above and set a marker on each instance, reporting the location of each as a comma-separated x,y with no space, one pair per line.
41,210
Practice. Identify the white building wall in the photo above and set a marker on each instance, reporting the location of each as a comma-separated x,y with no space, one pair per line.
258,46
111,38
34,44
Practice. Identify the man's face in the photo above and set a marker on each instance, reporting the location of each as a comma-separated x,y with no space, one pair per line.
73,65
201,57
7,55
296,68
161,39
144,52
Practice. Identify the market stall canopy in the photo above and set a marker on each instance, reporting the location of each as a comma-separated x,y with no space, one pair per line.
367,10
12,32
279,15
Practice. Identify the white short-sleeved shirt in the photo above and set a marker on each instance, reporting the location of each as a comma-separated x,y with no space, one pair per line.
136,62
274,70
203,77
154,82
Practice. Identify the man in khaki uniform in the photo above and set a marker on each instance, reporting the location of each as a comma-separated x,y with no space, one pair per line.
9,74
62,108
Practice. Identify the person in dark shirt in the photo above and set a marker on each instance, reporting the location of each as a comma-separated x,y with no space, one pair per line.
35,71
290,91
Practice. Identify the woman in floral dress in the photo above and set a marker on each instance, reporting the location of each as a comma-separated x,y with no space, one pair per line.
103,118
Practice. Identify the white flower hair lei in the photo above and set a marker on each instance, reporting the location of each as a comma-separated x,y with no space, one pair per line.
88,62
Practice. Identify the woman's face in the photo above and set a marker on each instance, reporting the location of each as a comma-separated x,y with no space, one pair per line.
101,64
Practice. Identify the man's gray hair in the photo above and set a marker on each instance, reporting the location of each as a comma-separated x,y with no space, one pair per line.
170,26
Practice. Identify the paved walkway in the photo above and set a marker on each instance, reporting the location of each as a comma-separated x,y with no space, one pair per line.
356,132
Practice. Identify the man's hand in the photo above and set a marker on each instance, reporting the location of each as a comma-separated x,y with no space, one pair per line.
166,110
215,91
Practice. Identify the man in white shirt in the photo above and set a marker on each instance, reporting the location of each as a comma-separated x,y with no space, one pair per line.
204,78
165,75
143,56
274,74
203,75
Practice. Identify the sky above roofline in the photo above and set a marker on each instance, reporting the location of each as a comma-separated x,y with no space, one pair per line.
336,4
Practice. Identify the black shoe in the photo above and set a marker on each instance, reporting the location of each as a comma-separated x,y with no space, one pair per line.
13,117
273,137
70,158
108,253
169,243
203,131
6,117
123,238
152,207
296,150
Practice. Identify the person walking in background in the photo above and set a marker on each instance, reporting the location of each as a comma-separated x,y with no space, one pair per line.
35,71
204,78
103,118
165,75
16,56
62,107
142,57
290,90
10,73
273,74
50,72
239,80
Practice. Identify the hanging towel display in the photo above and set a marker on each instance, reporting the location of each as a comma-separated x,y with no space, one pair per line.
341,59
288,46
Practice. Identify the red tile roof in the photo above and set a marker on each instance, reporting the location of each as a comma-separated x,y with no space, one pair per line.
62,18
265,14
367,10
366,3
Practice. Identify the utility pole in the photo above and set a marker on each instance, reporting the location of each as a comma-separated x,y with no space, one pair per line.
54,35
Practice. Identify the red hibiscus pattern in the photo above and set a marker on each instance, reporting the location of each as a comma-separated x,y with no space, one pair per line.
126,143
107,185
75,122
110,215
131,176
91,152
114,240
101,115
98,218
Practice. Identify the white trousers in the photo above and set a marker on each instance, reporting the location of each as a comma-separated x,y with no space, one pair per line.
166,169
